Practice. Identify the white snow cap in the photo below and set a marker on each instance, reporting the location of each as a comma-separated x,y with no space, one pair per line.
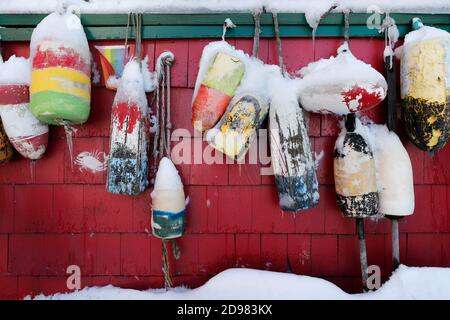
60,28
394,172
16,70
324,80
131,86
167,177
425,33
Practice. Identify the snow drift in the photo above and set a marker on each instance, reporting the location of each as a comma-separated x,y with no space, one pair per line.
405,283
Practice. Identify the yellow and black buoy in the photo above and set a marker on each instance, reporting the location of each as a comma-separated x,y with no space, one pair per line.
425,86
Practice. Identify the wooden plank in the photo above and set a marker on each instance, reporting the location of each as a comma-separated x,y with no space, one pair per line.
218,18
18,27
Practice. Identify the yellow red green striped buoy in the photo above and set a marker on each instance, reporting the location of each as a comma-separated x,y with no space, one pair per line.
61,68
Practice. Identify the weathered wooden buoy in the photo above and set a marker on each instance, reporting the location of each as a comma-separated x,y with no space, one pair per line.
291,155
238,127
354,172
168,202
217,87
28,135
425,86
61,70
6,150
128,159
340,85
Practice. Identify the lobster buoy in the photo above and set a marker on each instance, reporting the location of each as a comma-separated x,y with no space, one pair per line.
354,171
238,127
6,150
61,70
129,141
340,85
217,87
291,155
425,86
394,172
168,202
28,135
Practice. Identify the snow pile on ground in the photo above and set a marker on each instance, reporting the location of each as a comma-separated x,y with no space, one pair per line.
240,284
16,70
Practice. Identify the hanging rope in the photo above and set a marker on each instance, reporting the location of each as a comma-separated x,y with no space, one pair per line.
161,146
257,19
168,123
277,36
166,266
125,56
346,25
162,138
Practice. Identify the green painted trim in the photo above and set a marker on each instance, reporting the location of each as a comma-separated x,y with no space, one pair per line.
18,27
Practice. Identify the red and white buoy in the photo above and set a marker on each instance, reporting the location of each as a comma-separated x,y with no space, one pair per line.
27,134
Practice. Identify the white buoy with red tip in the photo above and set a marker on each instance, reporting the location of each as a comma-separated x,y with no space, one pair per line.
27,134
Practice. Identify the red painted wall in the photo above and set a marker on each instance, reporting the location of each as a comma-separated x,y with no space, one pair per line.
52,216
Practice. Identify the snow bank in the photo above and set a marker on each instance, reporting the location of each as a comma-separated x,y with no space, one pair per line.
15,71
414,283
405,283
394,172
167,177
340,84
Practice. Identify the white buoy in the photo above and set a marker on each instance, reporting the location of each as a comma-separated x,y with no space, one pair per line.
168,202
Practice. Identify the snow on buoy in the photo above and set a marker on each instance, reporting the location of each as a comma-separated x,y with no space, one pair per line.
28,135
129,141
220,72
354,171
61,70
340,85
168,202
394,172
425,86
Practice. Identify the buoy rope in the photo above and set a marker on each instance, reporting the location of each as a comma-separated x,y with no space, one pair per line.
346,25
257,19
166,266
125,56
277,36
168,123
